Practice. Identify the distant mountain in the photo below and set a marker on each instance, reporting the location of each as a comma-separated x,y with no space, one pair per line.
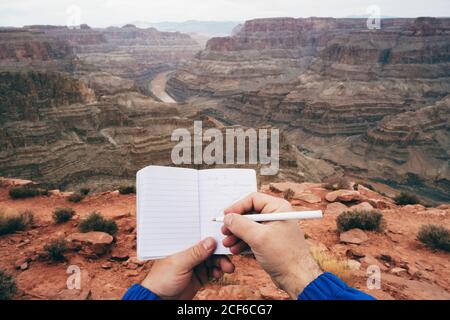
207,28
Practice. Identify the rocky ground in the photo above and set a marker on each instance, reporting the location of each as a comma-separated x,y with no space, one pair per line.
109,266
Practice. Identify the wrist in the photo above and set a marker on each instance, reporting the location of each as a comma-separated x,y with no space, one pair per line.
300,278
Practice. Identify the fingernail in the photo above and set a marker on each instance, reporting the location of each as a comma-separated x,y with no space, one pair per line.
209,244
227,219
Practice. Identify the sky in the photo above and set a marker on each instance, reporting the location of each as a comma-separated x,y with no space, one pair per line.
102,13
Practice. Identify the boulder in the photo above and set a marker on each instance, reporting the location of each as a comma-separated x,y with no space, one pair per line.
367,192
355,236
307,197
363,206
119,254
343,196
90,243
335,208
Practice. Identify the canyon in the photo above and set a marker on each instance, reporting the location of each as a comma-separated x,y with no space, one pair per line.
89,106
372,102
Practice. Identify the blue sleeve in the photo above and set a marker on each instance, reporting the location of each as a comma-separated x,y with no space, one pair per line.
138,292
329,287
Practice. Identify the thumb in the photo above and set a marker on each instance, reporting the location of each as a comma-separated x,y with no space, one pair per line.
190,258
243,228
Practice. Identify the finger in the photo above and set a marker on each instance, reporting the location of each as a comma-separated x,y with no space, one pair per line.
239,248
195,255
224,263
229,241
225,230
244,228
255,201
217,273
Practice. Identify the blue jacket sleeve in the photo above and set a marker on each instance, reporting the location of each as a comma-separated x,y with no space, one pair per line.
326,287
329,287
138,292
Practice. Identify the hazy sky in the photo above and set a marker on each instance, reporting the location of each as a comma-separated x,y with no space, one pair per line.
108,12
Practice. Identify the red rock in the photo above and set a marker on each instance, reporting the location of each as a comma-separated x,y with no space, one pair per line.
307,197
354,254
363,206
91,242
119,254
131,273
107,265
367,192
398,271
343,195
335,208
355,236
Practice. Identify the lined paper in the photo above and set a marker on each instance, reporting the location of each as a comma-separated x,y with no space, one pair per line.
168,218
218,189
175,206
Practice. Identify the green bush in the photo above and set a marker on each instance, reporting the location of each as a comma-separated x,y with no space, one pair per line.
61,215
75,198
22,192
85,191
435,237
16,222
56,249
127,190
96,222
7,286
405,198
364,220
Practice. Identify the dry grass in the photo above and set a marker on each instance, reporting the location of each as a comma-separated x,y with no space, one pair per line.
329,263
226,280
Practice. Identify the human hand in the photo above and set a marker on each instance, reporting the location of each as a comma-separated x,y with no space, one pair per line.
279,246
181,275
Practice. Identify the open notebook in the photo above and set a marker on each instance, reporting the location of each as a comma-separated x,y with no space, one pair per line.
175,206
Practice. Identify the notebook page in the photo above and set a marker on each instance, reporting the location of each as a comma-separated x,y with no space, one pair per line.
167,211
218,189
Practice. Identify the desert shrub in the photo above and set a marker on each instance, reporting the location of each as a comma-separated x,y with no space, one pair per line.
85,191
288,194
7,286
96,222
10,223
337,184
365,220
127,189
405,198
76,197
22,192
329,263
56,249
435,237
61,215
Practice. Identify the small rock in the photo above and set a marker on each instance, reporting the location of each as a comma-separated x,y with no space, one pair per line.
119,254
96,243
398,271
335,208
107,265
354,254
343,196
369,260
22,263
131,273
355,236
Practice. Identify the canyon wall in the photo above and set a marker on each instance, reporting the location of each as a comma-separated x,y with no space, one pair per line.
334,87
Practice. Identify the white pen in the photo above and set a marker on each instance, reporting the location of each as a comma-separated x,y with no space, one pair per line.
279,216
